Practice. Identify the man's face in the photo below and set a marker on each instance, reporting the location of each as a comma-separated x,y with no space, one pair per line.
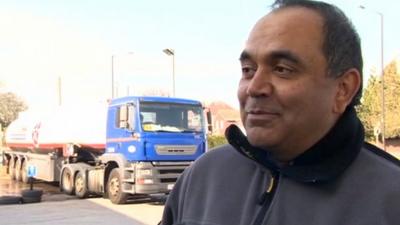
285,95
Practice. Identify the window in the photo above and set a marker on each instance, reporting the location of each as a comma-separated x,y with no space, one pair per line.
171,117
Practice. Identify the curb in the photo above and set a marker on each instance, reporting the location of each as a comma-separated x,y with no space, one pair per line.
11,199
27,196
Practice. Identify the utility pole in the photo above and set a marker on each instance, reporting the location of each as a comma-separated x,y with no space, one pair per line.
59,90
171,52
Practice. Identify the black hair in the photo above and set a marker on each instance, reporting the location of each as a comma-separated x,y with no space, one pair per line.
341,44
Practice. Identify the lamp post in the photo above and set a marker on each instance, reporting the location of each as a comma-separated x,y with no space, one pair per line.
171,52
112,74
59,88
383,80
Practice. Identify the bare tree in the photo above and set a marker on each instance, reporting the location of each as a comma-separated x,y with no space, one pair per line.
10,106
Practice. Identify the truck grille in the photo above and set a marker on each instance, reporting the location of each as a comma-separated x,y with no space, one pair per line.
176,149
176,171
168,180
169,174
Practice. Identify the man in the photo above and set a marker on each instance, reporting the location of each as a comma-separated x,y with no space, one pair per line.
304,160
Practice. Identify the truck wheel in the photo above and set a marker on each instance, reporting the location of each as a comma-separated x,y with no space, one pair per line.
7,164
114,188
81,190
18,170
12,169
24,173
67,182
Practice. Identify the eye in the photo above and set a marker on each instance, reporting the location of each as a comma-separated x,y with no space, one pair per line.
248,71
283,70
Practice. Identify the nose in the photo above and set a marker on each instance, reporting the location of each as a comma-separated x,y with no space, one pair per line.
260,85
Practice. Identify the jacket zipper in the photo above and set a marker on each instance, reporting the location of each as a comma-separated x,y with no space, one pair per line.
266,199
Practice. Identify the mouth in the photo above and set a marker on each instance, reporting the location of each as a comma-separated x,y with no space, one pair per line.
261,112
261,115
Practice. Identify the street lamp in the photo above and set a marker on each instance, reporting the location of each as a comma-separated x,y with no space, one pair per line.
112,74
171,52
383,80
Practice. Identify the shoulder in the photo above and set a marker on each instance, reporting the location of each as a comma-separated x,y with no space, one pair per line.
380,158
207,169
376,167
216,164
388,158
226,150
223,156
378,175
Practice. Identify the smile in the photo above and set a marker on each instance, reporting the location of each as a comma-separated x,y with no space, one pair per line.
257,116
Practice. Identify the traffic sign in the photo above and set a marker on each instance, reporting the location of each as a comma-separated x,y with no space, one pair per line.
32,171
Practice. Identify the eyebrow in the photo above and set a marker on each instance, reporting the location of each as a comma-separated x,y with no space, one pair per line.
274,55
285,54
244,56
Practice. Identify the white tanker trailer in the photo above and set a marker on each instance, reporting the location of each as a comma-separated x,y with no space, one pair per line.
52,136
58,129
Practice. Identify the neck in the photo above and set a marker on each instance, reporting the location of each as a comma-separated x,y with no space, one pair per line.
299,144
323,161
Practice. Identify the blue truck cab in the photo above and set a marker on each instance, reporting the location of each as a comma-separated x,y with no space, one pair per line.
149,129
150,141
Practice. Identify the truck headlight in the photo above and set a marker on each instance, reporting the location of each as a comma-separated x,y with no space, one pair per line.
144,181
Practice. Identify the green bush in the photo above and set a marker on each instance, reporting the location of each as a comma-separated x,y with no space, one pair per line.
216,140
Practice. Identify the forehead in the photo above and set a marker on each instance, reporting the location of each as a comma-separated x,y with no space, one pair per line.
297,29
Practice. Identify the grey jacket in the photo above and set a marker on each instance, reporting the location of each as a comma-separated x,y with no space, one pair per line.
228,187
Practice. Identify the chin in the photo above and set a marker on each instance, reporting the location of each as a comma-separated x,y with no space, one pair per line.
258,140
258,143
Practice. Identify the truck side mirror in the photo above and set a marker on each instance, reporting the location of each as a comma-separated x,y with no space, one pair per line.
209,121
127,117
123,117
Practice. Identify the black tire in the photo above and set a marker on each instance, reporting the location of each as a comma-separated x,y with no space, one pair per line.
81,190
12,169
114,188
24,173
18,170
31,196
67,182
7,200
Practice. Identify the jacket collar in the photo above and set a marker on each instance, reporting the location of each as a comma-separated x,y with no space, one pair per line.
323,162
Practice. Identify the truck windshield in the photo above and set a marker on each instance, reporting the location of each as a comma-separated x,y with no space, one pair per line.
167,117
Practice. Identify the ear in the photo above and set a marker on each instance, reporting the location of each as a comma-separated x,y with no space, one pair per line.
347,87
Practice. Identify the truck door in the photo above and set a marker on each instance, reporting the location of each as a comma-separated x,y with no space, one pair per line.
124,138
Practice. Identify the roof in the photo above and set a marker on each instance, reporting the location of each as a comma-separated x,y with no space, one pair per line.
122,100
229,114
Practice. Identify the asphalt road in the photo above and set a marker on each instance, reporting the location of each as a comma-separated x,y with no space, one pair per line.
82,211
58,208
51,191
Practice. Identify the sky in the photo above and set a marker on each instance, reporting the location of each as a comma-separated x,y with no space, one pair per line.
43,42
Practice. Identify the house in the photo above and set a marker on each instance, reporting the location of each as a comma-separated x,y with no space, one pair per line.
222,115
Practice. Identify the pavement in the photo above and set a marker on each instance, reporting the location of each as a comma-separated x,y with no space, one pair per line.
51,191
58,208
72,212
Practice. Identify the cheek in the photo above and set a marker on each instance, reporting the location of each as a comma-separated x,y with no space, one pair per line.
242,93
242,96
305,99
291,96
